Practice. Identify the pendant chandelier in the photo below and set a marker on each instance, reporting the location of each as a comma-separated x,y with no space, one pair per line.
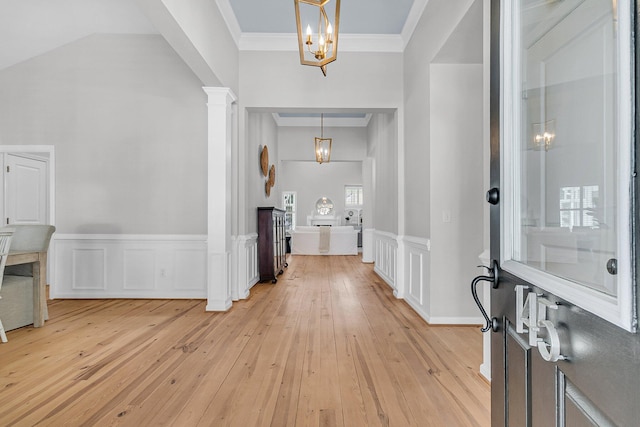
323,145
321,47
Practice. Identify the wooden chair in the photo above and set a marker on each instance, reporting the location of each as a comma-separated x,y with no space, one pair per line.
5,242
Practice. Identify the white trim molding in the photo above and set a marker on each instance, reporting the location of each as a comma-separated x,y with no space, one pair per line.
385,256
246,267
485,368
415,251
129,266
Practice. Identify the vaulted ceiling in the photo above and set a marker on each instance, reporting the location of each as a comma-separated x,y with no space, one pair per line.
29,28
32,27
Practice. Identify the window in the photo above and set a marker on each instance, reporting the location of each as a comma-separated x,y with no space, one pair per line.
353,196
289,203
578,206
565,207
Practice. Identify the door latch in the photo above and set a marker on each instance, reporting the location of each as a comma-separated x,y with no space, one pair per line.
492,276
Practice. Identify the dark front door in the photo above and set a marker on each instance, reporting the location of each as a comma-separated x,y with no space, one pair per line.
565,351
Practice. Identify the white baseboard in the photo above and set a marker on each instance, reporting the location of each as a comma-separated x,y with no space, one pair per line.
485,371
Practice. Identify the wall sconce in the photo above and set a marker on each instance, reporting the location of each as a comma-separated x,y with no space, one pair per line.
544,135
323,145
325,48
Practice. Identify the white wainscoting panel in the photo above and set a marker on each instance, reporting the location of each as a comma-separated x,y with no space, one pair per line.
417,274
385,256
129,266
139,269
247,268
88,268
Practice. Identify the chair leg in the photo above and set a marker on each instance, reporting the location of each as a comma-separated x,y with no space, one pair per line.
3,336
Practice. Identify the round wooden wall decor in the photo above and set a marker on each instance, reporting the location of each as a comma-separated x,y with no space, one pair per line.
272,175
267,188
264,160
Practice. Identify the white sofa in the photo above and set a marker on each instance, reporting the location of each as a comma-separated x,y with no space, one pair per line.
343,240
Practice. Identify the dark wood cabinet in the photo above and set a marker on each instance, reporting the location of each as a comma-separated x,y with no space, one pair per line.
272,243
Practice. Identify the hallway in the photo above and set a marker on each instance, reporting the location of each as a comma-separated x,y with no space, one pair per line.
327,345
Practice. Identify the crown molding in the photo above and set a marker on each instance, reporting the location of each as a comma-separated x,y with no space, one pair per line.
394,43
346,43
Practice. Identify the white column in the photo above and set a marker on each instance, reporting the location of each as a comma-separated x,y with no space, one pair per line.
221,106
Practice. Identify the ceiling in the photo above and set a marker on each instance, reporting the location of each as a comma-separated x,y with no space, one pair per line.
356,16
29,28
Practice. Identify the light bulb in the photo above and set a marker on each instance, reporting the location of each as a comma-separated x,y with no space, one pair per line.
309,42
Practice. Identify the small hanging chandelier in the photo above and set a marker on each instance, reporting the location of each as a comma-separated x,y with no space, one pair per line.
323,145
325,48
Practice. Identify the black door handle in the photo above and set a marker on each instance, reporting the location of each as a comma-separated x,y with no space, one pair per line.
493,196
491,323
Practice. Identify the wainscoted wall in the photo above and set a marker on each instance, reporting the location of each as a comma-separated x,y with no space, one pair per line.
129,266
416,256
404,262
142,266
247,265
385,247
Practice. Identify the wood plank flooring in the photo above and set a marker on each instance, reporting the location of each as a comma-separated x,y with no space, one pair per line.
328,345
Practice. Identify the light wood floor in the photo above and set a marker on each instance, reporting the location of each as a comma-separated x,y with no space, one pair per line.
328,345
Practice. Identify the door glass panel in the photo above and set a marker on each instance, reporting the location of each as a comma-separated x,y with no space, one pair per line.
567,113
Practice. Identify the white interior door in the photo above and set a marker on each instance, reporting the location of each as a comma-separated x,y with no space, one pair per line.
26,195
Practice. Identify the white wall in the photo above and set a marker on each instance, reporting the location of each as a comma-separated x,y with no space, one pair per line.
443,162
127,118
297,143
383,142
312,180
262,131
457,195
364,81
435,27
